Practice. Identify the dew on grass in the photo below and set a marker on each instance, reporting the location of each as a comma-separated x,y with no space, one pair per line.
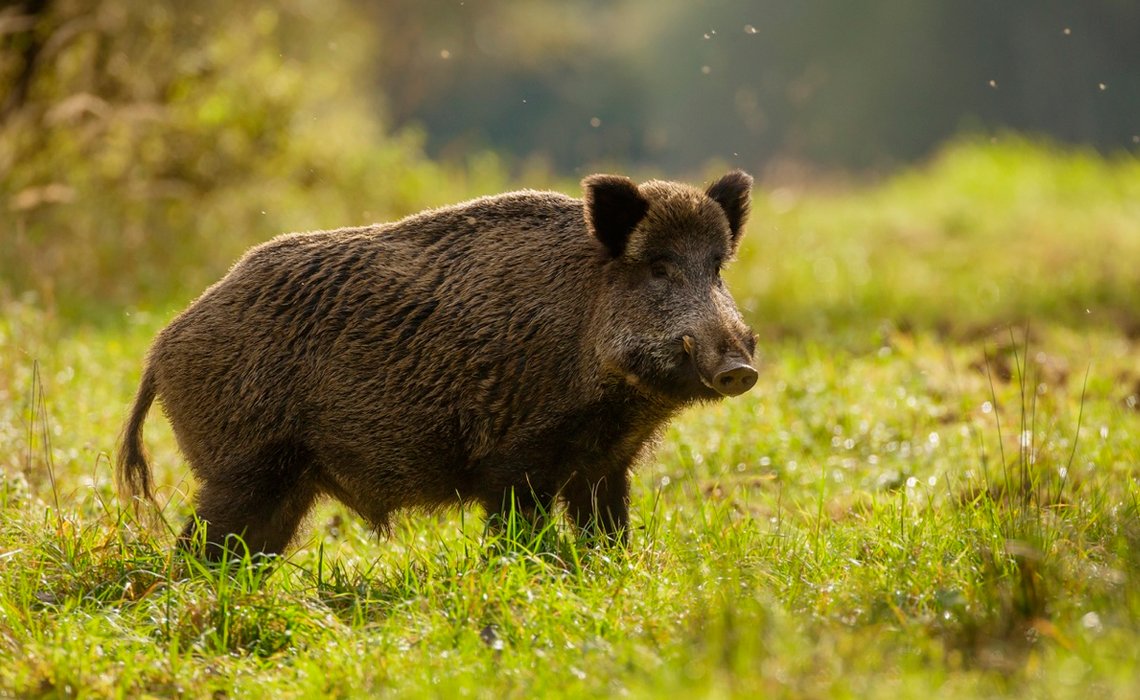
705,70
1102,86
987,407
993,83
749,29
1091,621
491,638
595,122
1067,32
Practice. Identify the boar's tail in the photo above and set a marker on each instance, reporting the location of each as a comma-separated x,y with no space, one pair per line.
133,473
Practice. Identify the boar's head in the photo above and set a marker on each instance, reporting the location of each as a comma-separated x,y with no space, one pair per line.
668,322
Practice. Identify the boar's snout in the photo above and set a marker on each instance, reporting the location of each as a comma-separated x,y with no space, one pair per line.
728,374
733,378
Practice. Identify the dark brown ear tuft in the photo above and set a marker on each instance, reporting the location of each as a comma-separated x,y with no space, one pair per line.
733,193
614,206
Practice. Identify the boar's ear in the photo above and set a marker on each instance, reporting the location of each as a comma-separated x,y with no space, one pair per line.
614,206
733,193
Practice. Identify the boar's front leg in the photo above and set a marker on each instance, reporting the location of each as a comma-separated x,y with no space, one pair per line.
600,505
521,502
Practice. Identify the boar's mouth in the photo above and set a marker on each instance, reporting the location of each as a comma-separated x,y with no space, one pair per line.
690,347
730,375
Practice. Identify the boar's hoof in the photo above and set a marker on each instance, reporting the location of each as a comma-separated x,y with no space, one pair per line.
734,379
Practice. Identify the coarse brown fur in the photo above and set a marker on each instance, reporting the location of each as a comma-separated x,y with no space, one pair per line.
528,344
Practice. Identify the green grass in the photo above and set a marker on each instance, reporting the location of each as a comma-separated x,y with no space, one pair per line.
986,235
918,499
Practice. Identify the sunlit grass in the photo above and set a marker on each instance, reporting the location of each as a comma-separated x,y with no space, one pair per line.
985,235
943,507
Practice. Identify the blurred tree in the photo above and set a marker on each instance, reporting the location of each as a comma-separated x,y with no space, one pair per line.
143,145
20,41
543,78
672,83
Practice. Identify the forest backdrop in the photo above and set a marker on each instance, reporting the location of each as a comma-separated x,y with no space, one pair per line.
137,138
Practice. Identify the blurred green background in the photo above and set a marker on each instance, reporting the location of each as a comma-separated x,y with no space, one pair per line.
144,145
934,490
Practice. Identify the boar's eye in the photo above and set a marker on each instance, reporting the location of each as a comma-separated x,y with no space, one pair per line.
661,268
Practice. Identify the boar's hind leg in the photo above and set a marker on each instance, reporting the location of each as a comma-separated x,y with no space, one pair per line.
600,505
263,502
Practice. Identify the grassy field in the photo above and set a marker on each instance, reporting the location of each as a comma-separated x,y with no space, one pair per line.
932,491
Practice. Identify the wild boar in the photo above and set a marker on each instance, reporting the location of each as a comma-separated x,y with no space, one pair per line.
515,351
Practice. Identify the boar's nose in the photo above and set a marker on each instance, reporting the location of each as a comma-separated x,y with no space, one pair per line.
734,378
